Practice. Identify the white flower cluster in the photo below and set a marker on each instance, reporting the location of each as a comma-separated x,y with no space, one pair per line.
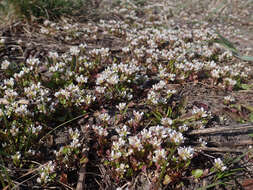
117,73
200,111
121,106
81,79
16,108
165,121
9,83
5,64
154,136
57,67
38,95
65,153
74,50
16,157
74,136
159,93
229,99
10,94
53,55
219,165
35,130
123,131
74,95
32,62
185,152
45,173
100,131
24,71
103,52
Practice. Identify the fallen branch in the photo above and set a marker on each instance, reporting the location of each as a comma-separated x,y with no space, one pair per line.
243,128
220,149
229,144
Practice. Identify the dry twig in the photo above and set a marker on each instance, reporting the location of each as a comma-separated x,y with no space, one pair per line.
242,128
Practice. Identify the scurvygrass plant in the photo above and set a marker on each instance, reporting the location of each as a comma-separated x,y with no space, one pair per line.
133,107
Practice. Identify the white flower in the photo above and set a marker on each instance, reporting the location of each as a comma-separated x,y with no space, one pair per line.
218,164
16,156
113,79
202,142
3,144
169,92
81,79
121,168
44,30
9,82
159,154
2,41
135,142
104,117
33,61
146,134
123,132
21,110
229,98
53,55
159,85
74,134
45,172
100,89
100,130
172,76
121,106
100,79
138,115
166,121
46,22
176,137
230,81
5,64
153,97
74,50
215,73
115,155
183,128
10,94
200,111
38,180
185,152
83,46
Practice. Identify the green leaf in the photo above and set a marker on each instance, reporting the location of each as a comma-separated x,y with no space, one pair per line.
84,160
197,173
226,43
210,186
245,86
251,117
244,57
157,115
169,112
65,150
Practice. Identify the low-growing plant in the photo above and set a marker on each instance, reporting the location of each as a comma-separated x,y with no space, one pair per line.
129,102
